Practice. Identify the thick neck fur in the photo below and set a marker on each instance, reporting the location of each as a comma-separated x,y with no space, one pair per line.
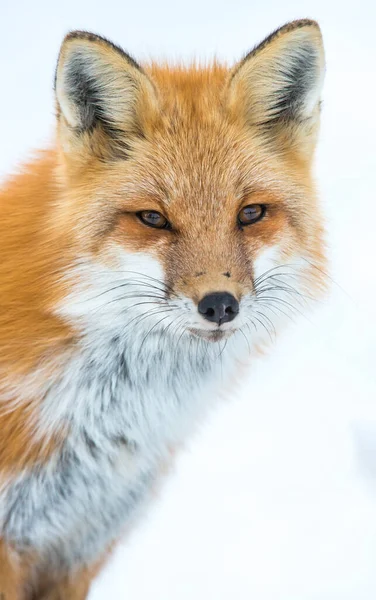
34,255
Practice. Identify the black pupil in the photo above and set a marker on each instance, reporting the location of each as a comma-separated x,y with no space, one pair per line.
153,218
249,214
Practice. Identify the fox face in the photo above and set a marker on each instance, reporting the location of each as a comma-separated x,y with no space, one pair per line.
188,198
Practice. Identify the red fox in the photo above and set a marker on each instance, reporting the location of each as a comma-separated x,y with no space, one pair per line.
163,238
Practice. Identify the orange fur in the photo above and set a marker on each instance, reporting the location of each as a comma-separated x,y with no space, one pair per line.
29,332
72,587
19,579
199,161
12,575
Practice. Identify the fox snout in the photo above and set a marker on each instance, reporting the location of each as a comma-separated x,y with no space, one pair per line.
214,296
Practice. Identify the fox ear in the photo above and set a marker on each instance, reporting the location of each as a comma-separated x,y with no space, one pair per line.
277,86
102,94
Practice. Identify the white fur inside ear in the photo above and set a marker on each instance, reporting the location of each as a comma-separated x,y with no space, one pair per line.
98,83
281,80
312,98
68,109
304,70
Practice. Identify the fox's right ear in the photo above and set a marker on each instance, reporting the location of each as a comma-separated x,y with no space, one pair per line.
103,96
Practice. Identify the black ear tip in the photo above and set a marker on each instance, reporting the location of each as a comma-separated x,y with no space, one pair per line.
78,34
99,40
309,25
299,23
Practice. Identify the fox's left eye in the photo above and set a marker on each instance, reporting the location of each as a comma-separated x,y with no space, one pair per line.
152,218
250,214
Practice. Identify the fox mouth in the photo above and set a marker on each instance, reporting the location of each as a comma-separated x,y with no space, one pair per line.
215,335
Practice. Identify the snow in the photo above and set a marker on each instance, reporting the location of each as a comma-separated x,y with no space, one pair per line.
275,498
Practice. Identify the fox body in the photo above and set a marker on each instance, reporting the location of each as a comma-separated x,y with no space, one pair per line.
145,256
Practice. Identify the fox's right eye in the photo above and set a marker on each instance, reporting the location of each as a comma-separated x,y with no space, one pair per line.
152,218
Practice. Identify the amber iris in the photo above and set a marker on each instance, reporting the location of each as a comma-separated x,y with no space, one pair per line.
250,214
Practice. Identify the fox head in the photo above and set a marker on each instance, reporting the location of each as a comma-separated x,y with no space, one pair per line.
188,197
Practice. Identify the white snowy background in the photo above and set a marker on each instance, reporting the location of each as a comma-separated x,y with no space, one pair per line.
275,498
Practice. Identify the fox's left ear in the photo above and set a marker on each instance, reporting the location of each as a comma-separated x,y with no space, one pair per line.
276,88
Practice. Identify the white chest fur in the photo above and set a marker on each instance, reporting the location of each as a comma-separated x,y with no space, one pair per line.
124,405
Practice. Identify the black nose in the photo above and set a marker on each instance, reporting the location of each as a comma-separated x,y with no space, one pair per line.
219,307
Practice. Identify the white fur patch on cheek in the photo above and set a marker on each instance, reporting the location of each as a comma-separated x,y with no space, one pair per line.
266,260
280,293
99,292
142,263
292,273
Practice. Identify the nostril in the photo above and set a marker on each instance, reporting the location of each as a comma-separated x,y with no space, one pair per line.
219,307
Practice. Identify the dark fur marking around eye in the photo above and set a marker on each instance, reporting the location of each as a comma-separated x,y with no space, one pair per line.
227,274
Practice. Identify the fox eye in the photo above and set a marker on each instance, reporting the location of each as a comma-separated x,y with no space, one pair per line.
152,218
250,214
